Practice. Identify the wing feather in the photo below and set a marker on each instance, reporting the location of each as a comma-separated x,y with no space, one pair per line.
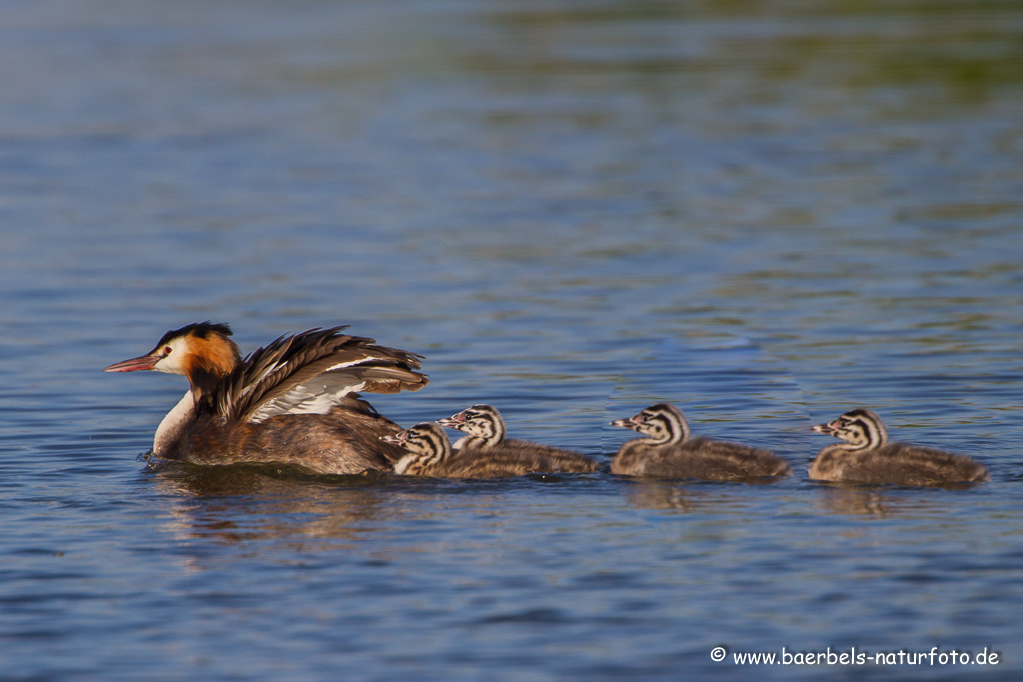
311,373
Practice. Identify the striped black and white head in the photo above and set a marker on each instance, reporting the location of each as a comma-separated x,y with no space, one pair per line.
483,423
861,428
661,424
426,443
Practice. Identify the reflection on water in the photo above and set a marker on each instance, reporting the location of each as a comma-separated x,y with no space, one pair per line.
878,502
257,504
685,497
268,502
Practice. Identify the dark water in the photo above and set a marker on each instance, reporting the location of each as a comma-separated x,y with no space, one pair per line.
764,212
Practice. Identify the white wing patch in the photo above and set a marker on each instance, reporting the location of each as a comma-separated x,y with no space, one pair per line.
342,365
316,396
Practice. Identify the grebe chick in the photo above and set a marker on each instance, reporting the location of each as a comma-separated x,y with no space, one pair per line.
484,428
866,456
482,425
430,454
293,402
668,451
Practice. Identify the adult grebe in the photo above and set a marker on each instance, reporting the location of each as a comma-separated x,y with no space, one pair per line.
668,451
868,457
294,401
430,454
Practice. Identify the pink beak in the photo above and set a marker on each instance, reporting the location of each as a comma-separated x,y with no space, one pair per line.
394,438
826,429
134,364
454,421
630,423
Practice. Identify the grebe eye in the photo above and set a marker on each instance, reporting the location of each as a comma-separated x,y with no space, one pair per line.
167,350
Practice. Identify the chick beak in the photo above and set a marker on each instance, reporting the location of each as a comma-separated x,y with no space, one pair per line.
826,429
630,423
394,438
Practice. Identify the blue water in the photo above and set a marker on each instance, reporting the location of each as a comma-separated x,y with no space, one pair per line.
767,213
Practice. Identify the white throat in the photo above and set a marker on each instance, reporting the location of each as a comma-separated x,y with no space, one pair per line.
173,425
403,463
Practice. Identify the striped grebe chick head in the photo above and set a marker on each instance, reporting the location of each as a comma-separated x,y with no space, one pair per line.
861,428
482,422
662,423
426,443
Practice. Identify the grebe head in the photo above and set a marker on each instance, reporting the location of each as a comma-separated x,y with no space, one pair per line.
426,444
200,351
661,423
861,428
481,421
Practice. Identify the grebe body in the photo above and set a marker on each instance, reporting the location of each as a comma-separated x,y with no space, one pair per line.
294,401
866,456
429,453
667,450
485,430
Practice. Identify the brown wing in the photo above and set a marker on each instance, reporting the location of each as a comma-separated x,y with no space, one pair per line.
311,372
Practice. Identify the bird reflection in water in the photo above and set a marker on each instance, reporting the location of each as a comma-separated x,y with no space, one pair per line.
856,500
259,502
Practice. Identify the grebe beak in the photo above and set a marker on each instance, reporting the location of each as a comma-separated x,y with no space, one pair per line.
454,420
395,438
134,364
630,423
826,429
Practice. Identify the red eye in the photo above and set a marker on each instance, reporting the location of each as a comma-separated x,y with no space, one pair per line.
167,350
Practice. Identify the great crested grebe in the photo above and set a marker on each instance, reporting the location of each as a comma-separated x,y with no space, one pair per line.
482,425
668,451
429,453
294,401
866,456
484,428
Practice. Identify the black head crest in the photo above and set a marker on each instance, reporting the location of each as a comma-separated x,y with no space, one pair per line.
198,329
